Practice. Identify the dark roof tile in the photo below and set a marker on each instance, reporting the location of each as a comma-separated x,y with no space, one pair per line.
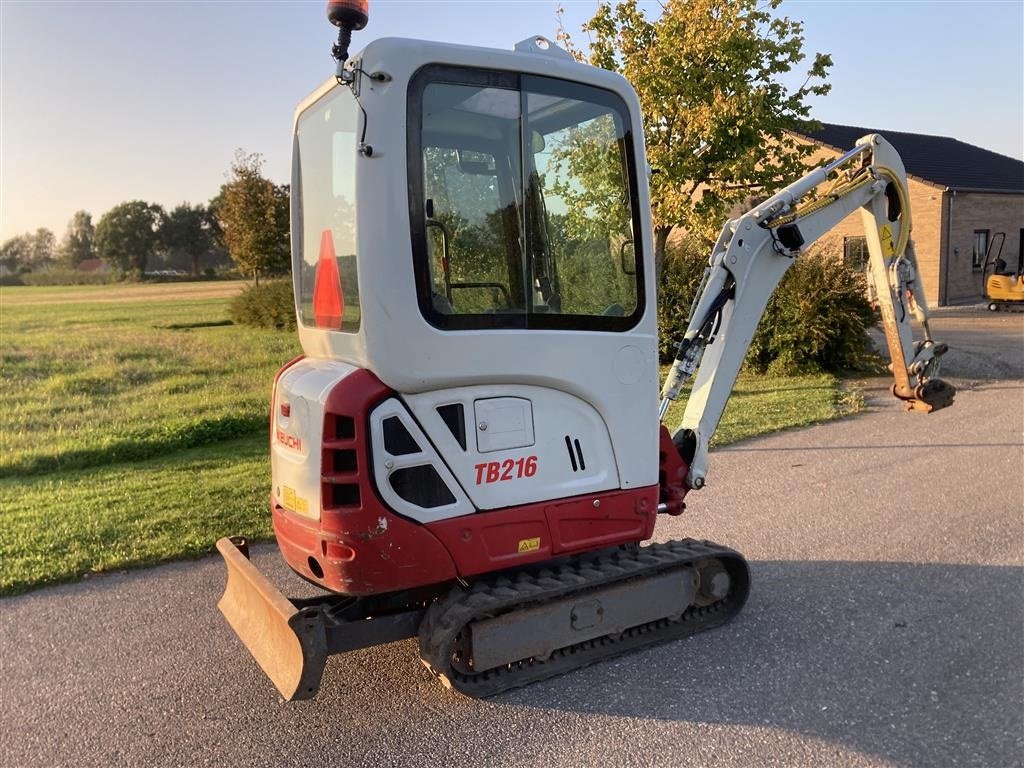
938,159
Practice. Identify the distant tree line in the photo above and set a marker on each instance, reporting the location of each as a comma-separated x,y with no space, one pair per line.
246,223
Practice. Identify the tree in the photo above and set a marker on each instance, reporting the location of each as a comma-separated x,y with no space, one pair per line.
188,230
29,251
253,215
717,121
16,252
126,236
44,248
77,245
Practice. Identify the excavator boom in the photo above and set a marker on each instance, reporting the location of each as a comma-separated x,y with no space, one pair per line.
752,254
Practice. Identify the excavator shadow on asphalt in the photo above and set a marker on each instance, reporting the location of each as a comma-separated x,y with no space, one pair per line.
917,664
920,664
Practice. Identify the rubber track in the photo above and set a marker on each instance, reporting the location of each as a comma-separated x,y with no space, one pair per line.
492,597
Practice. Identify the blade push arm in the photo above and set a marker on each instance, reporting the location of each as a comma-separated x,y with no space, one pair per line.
749,259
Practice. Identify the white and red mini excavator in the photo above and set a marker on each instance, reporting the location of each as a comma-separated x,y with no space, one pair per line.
470,450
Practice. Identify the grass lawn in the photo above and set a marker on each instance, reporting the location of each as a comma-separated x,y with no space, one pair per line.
120,373
61,525
134,419
762,404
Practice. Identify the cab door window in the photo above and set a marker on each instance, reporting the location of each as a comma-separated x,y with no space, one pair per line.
523,203
472,234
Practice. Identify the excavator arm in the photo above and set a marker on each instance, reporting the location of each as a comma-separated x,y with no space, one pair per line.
749,259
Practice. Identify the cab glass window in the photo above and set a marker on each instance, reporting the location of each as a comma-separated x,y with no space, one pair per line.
324,213
522,203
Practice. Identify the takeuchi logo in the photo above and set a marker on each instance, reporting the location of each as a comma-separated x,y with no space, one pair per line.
288,441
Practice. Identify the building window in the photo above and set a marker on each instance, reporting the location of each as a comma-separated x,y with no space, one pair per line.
855,252
980,247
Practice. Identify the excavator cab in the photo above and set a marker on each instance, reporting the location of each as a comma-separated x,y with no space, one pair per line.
474,218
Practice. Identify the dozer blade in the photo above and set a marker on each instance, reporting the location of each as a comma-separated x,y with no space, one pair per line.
290,645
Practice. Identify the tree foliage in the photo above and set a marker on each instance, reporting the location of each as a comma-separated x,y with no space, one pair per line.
252,213
44,248
188,230
30,251
270,305
77,245
707,74
126,235
16,252
817,319
585,170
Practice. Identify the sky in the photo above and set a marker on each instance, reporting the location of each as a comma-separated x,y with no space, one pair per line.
102,102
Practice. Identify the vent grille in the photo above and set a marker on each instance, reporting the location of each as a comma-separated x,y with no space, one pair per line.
397,440
575,451
339,468
341,495
421,485
454,417
344,428
342,461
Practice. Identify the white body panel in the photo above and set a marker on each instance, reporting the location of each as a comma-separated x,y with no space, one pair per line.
295,439
556,416
386,464
569,451
616,373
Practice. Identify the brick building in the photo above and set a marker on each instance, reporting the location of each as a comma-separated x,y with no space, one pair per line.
961,196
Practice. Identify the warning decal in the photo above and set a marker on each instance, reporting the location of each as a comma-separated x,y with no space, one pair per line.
888,244
294,502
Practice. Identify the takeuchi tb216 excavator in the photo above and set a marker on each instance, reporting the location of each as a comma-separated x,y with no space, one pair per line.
470,450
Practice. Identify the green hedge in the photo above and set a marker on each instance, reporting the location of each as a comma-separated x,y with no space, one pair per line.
69,277
268,305
816,321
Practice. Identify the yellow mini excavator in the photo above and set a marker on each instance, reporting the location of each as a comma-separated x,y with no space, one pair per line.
1004,286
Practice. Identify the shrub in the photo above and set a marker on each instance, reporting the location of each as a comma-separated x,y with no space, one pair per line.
268,305
817,319
685,261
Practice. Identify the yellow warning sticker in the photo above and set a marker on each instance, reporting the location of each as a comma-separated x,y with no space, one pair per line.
529,545
294,502
888,244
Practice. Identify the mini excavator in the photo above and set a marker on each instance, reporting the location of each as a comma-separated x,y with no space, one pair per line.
1003,286
470,449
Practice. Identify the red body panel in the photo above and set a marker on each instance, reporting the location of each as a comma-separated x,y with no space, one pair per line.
490,541
672,471
357,554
